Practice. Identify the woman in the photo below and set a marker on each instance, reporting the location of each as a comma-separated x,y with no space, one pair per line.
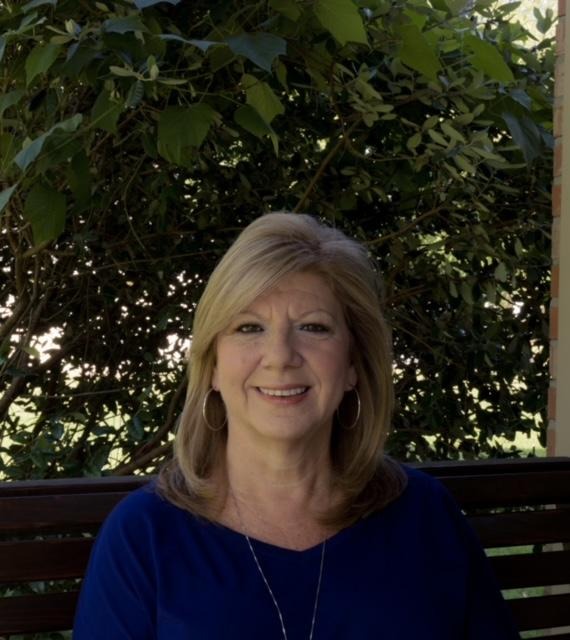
279,516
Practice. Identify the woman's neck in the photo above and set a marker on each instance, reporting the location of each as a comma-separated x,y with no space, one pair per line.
277,496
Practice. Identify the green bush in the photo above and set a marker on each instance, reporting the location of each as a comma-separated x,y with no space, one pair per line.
138,137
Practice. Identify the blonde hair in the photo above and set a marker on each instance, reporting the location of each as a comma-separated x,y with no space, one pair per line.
271,247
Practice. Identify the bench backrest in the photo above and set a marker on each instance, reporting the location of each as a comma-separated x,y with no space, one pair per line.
47,528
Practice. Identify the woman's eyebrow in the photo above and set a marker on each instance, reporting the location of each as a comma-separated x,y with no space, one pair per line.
318,310
248,313
302,314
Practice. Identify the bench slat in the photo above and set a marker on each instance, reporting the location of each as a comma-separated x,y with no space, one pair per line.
51,612
492,466
525,527
39,514
515,489
68,486
541,612
59,559
532,569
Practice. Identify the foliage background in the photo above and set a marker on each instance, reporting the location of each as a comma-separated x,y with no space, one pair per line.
138,137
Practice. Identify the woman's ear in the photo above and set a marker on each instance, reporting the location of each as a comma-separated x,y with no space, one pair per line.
214,384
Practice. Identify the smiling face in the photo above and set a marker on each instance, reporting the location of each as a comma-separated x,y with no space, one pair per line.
283,364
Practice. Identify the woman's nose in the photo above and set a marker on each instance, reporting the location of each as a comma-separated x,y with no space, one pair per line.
281,349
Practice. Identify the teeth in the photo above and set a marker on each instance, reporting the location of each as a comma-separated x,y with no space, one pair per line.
283,392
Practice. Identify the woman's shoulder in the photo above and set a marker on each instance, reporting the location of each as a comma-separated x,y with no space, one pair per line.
424,505
145,497
423,489
143,508
420,480
406,478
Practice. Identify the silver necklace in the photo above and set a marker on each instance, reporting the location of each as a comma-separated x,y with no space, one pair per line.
266,582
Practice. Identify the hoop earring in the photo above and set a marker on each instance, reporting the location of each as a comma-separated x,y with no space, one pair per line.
204,403
358,408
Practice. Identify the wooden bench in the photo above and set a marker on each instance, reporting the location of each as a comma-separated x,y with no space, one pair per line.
46,530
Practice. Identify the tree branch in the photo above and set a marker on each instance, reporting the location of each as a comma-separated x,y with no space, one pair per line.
143,461
324,164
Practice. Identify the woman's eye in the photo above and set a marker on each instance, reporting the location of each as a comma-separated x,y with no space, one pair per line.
248,327
315,327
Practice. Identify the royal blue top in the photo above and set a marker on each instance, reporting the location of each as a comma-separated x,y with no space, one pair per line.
412,571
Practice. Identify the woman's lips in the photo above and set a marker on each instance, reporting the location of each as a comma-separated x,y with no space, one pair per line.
289,392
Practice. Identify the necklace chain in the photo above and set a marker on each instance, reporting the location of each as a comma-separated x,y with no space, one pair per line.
266,582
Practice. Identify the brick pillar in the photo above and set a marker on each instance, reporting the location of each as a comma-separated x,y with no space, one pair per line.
558,437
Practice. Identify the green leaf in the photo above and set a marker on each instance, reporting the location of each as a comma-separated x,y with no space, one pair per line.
8,100
123,72
143,4
78,57
124,25
32,351
203,45
342,19
501,272
135,428
8,147
508,7
79,178
437,137
521,96
136,93
488,155
28,23
60,39
260,96
251,121
525,133
281,72
260,48
288,8
45,210
487,58
544,22
490,291
414,141
106,112
430,122
37,3
466,293
464,164
60,148
2,47
183,128
453,133
172,82
40,60
456,7
153,70
419,19
464,119
30,152
416,53
5,196
451,169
